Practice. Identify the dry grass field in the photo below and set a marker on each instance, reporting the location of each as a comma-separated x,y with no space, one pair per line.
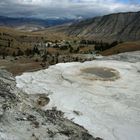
124,47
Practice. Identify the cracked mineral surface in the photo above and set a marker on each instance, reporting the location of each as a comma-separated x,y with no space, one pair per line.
21,116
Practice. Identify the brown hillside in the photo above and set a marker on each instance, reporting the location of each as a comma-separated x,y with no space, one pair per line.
108,28
124,47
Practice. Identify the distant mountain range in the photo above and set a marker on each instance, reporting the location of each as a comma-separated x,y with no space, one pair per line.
15,22
119,26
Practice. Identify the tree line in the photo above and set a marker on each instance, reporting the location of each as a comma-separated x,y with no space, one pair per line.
100,45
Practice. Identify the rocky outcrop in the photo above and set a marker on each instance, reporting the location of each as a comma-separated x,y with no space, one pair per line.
120,26
21,117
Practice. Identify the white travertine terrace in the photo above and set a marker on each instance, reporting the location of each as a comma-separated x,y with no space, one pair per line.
107,108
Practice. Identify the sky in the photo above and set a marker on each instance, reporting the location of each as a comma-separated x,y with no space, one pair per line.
65,8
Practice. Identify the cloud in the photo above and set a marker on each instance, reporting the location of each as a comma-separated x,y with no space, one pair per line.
65,8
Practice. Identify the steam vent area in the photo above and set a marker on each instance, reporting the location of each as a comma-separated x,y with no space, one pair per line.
102,95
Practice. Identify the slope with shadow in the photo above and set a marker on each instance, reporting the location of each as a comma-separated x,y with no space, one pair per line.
120,26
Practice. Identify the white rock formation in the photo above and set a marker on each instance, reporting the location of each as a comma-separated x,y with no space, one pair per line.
109,107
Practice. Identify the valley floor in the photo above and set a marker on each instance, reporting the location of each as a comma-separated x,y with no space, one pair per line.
105,104
19,66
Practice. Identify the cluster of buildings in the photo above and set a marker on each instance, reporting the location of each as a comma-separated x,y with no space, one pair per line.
61,45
